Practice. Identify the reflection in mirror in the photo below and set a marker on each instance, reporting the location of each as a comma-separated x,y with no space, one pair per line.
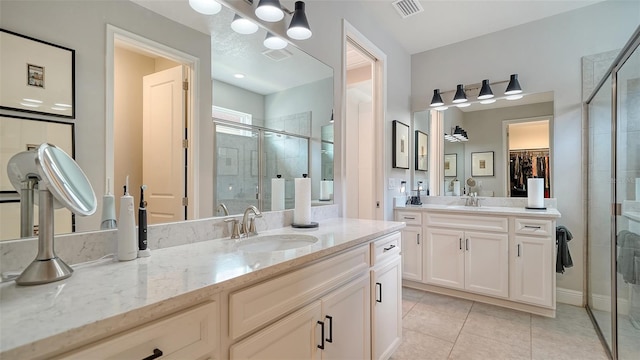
517,132
421,122
326,185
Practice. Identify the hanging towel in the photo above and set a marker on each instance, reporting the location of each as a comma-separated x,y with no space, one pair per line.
563,258
629,244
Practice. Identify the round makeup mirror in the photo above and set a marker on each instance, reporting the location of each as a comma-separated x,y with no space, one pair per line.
60,183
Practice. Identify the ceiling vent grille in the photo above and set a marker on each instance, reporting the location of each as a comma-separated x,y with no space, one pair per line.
407,8
277,55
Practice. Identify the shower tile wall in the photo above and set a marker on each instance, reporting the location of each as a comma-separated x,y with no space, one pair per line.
239,180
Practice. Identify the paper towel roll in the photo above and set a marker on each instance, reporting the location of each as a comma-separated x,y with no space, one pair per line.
326,189
302,211
277,194
535,193
637,189
456,188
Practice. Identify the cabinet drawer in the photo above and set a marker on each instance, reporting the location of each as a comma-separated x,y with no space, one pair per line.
385,248
409,217
467,222
189,334
262,303
534,227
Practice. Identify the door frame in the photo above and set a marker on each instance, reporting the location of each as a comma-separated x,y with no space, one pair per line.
191,106
351,34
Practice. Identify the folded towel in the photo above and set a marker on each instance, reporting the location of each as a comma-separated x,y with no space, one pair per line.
563,257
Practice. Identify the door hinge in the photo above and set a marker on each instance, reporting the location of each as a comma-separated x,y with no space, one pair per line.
185,143
617,209
185,85
185,201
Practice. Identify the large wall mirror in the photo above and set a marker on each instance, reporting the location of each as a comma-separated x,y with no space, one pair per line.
273,103
510,141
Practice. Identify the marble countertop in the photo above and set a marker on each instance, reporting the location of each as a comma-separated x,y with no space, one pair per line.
485,210
105,295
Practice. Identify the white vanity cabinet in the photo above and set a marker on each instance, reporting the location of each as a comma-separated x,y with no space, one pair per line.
533,255
475,261
190,334
412,243
386,279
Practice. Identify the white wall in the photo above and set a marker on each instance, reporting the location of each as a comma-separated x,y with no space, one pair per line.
232,97
81,25
546,54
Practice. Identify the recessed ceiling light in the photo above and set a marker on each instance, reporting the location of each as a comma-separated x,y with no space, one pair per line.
238,76
62,105
29,104
32,101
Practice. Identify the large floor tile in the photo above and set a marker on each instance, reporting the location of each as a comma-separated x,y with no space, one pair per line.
517,333
472,347
416,345
447,305
412,294
567,316
424,320
565,342
407,305
501,312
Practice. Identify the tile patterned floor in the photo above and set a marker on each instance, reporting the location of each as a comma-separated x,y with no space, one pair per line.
442,327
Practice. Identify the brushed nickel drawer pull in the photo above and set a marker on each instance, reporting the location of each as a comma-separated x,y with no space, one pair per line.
410,217
532,227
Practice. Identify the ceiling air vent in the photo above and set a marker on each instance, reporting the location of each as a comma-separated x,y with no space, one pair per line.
277,55
407,8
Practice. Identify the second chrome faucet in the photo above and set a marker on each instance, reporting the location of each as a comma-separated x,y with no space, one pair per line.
248,225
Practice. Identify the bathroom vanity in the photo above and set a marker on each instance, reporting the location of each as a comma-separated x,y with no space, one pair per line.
336,296
502,255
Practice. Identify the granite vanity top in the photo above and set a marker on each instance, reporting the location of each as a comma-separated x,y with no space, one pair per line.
485,210
105,295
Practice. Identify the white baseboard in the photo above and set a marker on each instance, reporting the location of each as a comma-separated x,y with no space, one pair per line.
570,297
603,303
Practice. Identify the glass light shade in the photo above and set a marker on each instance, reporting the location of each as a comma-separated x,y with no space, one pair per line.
460,96
462,105
299,26
243,26
514,86
515,97
273,42
441,108
437,99
485,91
269,10
488,101
207,7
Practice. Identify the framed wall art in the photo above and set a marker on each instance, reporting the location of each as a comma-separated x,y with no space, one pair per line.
422,162
37,77
400,145
482,163
451,165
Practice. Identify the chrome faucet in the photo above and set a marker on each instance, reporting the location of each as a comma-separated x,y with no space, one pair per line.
224,209
248,226
472,200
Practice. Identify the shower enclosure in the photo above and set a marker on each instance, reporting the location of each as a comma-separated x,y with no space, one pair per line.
613,204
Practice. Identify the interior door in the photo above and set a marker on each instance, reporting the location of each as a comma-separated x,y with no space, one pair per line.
163,129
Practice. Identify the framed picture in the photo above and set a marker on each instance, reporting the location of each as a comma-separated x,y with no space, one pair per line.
422,162
451,165
19,134
400,145
227,161
482,163
37,77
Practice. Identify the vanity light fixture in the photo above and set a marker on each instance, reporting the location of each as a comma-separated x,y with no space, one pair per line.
436,100
243,26
299,26
460,134
269,10
514,86
460,96
485,91
274,42
207,7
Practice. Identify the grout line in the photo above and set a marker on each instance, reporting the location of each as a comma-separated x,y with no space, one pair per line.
462,327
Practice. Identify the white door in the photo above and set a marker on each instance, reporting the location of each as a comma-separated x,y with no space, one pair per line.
412,253
347,319
295,337
533,275
487,263
444,258
163,129
387,312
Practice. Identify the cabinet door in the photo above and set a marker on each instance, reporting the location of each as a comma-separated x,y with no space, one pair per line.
487,263
444,258
347,321
533,275
296,336
412,253
387,309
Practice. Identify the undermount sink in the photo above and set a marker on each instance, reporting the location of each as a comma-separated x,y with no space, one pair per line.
271,243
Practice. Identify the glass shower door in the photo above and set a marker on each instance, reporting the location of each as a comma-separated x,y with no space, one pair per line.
599,219
628,195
